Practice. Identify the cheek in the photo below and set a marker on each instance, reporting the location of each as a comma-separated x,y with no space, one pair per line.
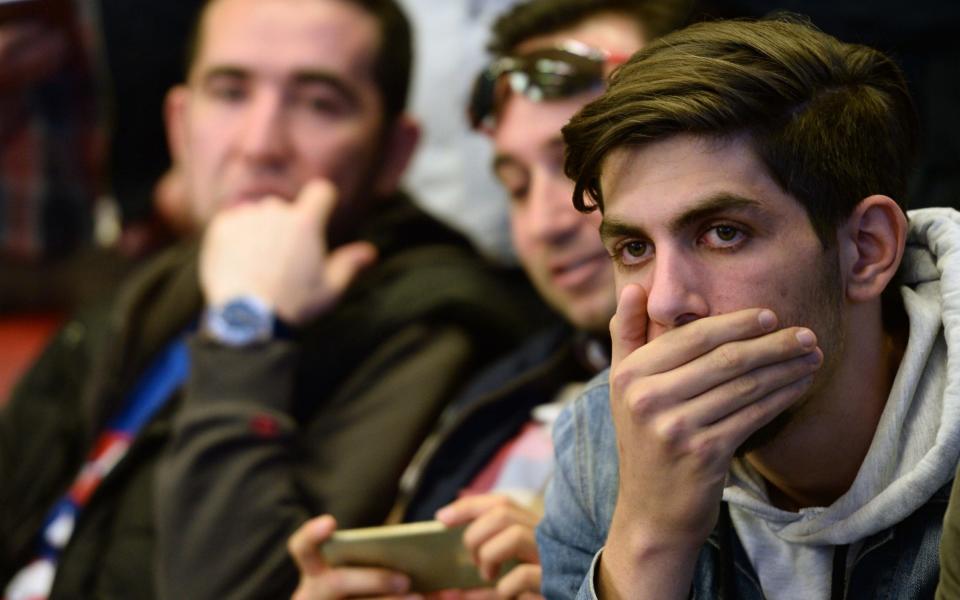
335,154
519,232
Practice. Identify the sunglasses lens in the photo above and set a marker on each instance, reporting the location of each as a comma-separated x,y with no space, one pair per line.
482,98
541,75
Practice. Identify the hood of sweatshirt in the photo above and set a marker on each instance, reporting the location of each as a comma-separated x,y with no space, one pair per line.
917,443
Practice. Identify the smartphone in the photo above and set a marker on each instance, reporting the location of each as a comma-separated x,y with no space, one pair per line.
430,553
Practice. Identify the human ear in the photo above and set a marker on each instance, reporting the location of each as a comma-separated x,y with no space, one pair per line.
871,247
399,143
175,119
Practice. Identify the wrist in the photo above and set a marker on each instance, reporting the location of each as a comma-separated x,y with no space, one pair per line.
647,557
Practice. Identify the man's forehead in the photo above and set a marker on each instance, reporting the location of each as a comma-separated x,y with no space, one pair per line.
301,35
666,178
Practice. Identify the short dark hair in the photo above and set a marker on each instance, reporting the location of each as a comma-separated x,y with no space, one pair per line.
391,71
832,122
544,17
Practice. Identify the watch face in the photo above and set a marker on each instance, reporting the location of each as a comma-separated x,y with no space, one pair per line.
241,315
240,322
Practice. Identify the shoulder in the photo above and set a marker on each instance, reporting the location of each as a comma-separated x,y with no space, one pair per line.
427,272
585,445
520,367
586,424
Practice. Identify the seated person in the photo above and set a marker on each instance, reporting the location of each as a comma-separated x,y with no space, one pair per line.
168,443
779,418
50,155
492,448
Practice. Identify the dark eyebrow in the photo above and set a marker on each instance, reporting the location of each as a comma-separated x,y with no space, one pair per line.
712,205
611,227
299,78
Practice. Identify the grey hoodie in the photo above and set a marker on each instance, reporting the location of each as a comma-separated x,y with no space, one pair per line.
914,451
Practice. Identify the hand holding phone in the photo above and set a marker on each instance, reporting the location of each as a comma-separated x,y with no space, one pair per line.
431,554
320,580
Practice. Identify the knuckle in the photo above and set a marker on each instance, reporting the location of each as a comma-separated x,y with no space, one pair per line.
747,386
697,335
670,429
643,405
501,513
706,450
620,380
516,534
728,358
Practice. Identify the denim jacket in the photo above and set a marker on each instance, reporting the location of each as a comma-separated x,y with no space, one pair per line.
898,563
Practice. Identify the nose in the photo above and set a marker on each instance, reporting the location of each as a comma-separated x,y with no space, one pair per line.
552,217
264,138
675,290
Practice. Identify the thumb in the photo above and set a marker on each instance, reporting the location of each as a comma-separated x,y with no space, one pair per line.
317,199
346,262
628,327
304,544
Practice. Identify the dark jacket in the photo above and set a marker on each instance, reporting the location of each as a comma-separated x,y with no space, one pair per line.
260,438
488,415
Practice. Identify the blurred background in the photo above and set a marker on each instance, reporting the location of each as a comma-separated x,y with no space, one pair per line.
86,189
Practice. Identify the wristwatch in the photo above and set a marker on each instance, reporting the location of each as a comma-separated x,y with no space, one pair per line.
240,322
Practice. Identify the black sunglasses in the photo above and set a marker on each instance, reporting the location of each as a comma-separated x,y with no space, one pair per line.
544,74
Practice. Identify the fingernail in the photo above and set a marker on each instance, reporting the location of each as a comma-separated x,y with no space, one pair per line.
806,338
444,514
813,358
767,319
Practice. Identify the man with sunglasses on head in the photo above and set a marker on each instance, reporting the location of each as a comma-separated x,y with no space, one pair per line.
492,449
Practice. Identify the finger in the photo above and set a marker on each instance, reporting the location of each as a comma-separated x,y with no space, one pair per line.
346,262
521,579
721,440
495,520
317,199
304,544
683,344
514,542
733,395
469,508
628,327
348,582
727,363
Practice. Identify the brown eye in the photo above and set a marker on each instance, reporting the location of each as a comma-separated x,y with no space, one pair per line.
726,233
635,249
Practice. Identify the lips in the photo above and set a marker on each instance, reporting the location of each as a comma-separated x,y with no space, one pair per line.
573,273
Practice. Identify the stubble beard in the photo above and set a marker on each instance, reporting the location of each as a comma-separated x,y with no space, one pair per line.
822,311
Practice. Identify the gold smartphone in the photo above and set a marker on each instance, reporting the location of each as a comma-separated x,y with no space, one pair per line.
431,554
